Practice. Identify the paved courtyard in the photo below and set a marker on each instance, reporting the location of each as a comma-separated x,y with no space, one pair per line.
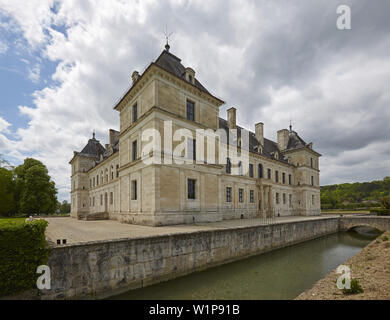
78,231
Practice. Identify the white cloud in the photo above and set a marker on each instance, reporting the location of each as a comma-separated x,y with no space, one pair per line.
34,73
274,62
3,47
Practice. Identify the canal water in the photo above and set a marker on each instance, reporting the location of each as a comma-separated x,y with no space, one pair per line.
280,274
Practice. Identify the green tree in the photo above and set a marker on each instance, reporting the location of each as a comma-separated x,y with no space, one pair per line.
7,190
35,192
385,202
65,207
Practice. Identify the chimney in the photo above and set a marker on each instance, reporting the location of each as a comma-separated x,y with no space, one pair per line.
135,76
231,115
259,132
113,137
283,139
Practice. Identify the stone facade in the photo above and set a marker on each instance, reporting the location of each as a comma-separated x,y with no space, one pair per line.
115,182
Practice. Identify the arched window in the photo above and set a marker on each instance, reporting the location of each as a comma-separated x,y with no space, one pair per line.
117,170
112,172
260,171
228,166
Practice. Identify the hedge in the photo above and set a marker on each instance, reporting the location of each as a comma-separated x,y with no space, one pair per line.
381,211
23,248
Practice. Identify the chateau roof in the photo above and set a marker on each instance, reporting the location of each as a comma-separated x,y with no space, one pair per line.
93,148
295,141
269,148
172,64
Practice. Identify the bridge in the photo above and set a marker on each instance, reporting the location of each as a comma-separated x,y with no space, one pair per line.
350,222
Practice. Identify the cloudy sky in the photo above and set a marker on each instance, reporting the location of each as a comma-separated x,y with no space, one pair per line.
63,64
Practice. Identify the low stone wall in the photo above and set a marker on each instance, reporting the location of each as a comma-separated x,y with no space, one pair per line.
100,269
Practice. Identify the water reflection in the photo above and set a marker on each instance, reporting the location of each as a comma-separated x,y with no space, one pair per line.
281,274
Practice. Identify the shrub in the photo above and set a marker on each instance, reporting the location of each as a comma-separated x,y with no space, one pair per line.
355,287
23,248
385,238
381,212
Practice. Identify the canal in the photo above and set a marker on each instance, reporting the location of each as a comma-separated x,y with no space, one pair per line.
280,274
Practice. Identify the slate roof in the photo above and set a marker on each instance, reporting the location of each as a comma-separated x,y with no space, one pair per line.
269,148
93,149
295,141
172,64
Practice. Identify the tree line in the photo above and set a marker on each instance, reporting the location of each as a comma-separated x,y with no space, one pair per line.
354,195
26,189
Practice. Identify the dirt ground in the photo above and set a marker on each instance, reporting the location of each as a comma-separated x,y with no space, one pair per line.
371,267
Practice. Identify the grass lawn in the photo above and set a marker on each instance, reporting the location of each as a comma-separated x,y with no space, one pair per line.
338,212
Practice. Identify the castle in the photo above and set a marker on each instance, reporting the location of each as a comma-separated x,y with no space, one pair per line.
115,182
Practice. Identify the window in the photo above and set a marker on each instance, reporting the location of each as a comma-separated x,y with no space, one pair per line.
251,196
269,174
251,170
117,170
283,178
240,168
312,180
260,171
190,78
191,188
97,180
112,172
284,198
106,175
93,201
228,166
93,181
312,199
276,176
111,198
289,179
90,183
101,199
311,162
134,190
135,112
241,195
190,110
134,150
290,200
228,194
191,147
277,198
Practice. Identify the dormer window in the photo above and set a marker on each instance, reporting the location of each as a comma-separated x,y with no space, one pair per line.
190,75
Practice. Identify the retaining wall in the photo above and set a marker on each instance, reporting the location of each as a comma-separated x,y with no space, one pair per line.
100,269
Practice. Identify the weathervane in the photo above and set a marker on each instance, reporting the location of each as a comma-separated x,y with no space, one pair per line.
167,35
290,125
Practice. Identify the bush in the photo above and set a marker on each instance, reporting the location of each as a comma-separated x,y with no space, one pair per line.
355,288
23,248
381,212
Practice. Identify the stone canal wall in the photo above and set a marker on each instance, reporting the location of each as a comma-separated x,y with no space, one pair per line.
100,269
